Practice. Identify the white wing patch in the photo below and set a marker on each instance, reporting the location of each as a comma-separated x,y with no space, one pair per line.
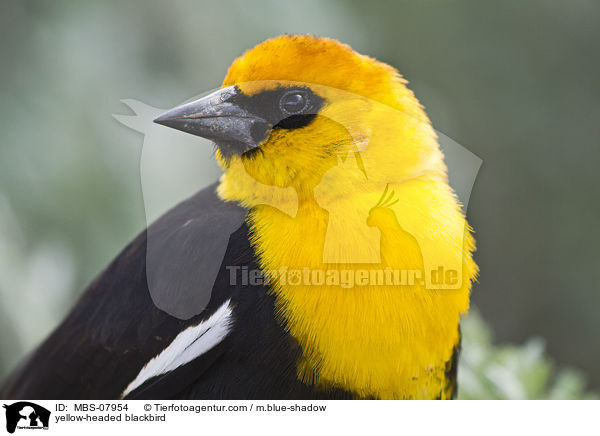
187,345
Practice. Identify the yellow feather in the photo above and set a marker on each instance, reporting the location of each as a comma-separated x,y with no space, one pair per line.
317,205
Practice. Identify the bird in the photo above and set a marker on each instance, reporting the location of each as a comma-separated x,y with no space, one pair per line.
331,260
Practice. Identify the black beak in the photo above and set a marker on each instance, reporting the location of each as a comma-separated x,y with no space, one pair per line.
217,117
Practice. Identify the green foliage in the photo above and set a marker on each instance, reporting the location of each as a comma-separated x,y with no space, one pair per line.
511,372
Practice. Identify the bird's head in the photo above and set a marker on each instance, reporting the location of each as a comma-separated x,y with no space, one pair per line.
290,108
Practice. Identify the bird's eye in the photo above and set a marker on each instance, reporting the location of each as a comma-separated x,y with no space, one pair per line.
294,102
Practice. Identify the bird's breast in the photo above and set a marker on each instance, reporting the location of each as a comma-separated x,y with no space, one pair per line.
358,330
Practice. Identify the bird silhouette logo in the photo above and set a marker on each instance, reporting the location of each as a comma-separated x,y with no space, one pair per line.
174,165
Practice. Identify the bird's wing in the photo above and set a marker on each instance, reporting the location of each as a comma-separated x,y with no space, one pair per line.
155,308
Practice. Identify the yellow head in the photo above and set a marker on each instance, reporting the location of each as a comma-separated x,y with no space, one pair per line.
305,104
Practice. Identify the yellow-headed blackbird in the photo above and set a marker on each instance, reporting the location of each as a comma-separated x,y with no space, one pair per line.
332,260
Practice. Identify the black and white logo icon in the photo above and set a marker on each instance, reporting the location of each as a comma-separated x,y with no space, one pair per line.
26,415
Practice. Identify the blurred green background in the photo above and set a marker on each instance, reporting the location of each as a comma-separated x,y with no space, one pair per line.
517,83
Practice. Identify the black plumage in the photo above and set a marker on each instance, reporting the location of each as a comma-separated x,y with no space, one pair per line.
115,328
